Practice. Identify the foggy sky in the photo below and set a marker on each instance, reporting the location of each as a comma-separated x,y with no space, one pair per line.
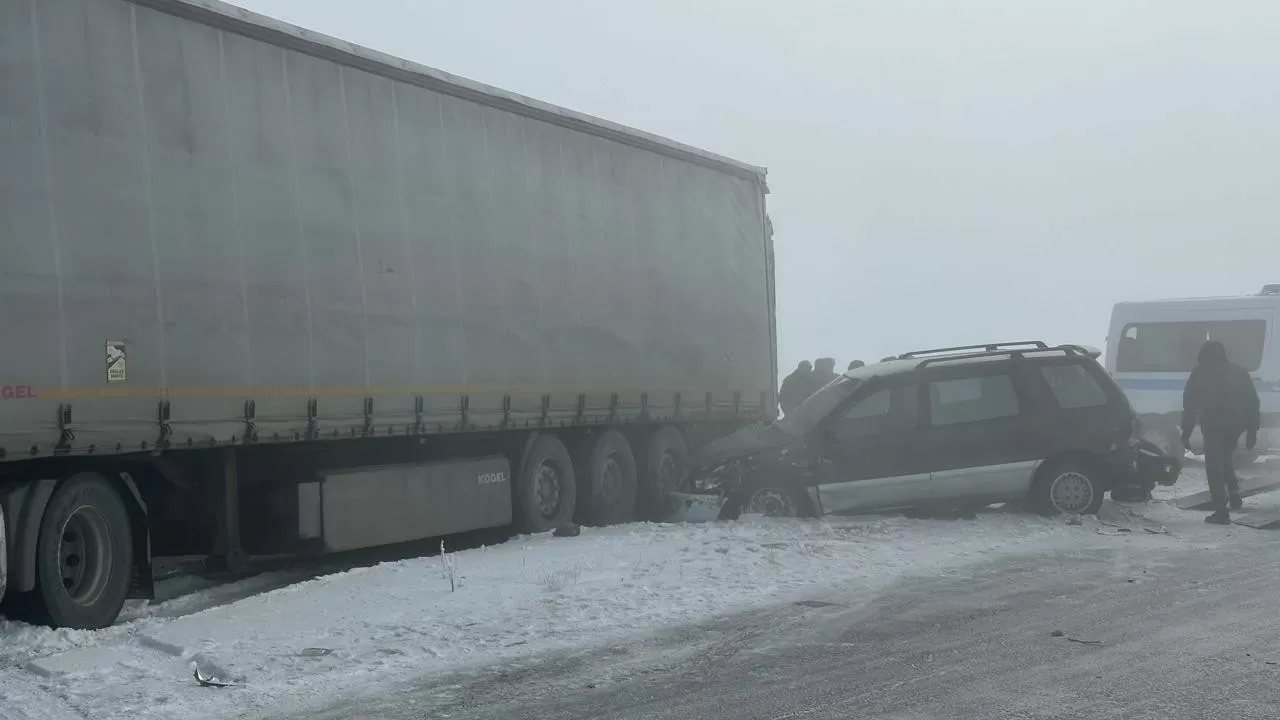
942,172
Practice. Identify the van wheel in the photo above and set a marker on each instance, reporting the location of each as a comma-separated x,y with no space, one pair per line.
84,554
665,468
1068,487
545,492
608,483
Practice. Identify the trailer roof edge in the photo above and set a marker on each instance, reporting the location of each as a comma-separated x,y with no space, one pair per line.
232,18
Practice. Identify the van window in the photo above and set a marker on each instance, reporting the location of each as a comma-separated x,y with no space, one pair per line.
1173,346
972,399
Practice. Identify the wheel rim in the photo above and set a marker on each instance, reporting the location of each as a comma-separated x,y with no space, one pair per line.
772,502
1071,492
84,555
547,490
611,481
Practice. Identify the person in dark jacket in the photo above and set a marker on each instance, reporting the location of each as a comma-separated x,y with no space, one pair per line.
824,371
796,387
1220,397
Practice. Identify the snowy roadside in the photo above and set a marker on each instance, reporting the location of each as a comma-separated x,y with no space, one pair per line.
308,644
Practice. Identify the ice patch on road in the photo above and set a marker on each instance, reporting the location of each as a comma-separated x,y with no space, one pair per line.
360,631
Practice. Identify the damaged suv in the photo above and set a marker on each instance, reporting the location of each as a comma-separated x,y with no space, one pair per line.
955,428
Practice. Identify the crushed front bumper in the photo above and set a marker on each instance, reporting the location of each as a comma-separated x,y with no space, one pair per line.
691,507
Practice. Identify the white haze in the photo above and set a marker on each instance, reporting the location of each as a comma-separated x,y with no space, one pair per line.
942,172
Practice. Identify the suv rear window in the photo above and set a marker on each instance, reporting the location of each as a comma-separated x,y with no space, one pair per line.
1173,346
1073,386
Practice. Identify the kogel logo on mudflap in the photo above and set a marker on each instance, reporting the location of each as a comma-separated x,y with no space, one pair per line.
492,478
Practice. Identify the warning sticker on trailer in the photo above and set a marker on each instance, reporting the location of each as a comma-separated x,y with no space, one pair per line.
117,362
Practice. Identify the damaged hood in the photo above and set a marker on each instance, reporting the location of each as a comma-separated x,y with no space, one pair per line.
746,442
758,438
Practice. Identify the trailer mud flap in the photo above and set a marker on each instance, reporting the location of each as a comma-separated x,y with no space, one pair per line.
687,507
4,557
23,507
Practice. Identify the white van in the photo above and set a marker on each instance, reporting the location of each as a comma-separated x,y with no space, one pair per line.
1152,348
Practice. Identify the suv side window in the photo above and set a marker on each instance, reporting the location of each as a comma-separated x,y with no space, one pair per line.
894,408
868,416
1073,386
972,399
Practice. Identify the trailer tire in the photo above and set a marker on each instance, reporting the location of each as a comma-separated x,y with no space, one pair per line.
607,480
545,491
84,554
665,467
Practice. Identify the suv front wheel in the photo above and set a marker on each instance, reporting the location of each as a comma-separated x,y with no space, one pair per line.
1068,487
768,499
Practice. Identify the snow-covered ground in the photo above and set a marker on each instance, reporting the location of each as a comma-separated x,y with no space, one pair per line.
292,645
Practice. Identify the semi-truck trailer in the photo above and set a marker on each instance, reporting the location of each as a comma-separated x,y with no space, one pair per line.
266,293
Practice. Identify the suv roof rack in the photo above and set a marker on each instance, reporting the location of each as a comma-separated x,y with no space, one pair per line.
986,348
1010,350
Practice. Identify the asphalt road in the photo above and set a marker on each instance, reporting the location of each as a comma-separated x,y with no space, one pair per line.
1186,635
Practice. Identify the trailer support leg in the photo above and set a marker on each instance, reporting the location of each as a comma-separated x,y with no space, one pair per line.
227,555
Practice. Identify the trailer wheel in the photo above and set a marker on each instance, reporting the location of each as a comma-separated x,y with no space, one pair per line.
666,465
608,482
84,554
546,490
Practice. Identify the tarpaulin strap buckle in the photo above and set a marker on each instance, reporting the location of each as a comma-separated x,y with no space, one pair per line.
250,421
66,435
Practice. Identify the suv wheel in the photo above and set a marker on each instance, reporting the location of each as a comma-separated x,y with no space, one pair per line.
1069,487
769,500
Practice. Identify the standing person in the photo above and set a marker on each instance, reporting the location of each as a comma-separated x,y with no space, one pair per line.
824,371
796,387
857,364
1221,398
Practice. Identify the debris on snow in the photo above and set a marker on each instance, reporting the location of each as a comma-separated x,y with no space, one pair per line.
208,680
568,530
1061,634
1085,642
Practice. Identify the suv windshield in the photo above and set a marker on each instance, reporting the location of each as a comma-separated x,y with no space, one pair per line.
819,405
